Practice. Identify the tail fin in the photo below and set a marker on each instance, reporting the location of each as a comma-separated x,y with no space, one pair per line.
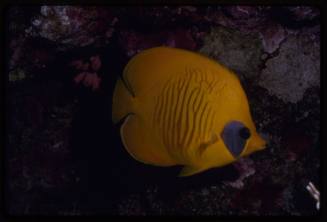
122,102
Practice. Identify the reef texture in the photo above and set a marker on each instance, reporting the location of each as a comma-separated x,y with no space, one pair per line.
64,156
296,67
239,52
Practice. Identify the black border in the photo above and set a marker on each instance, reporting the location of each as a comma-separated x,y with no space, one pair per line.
3,102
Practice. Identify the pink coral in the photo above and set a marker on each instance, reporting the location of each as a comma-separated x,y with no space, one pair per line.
88,73
80,77
78,64
88,79
95,62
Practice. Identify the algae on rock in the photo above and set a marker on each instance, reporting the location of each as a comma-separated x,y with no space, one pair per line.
239,52
294,70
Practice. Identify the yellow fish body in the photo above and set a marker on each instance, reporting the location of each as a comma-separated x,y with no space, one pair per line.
183,108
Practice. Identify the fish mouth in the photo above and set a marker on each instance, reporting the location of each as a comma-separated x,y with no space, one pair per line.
257,142
264,137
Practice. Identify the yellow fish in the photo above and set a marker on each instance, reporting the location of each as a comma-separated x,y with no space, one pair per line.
183,108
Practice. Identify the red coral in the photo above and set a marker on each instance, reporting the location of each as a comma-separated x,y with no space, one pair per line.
94,81
80,77
77,64
95,62
88,73
88,79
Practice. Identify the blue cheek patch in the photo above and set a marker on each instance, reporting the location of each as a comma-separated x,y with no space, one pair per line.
234,136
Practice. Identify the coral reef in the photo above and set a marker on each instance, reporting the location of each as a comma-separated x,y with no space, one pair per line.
88,72
297,66
64,156
134,42
239,52
72,26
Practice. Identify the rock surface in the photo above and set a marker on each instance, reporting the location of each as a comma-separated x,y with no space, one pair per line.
295,69
238,51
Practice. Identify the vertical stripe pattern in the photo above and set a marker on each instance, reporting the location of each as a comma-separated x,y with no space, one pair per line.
182,112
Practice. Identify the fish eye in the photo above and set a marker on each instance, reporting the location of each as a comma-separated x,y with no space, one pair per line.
244,133
234,135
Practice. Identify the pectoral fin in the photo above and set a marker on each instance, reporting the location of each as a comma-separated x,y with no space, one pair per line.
190,170
203,147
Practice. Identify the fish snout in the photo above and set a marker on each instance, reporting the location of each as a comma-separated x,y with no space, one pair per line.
262,141
256,143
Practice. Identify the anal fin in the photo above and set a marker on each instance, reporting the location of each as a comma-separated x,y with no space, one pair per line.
190,170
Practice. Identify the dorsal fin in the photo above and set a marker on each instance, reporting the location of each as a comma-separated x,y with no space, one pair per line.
122,103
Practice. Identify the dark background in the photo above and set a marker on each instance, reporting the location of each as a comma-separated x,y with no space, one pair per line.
64,156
